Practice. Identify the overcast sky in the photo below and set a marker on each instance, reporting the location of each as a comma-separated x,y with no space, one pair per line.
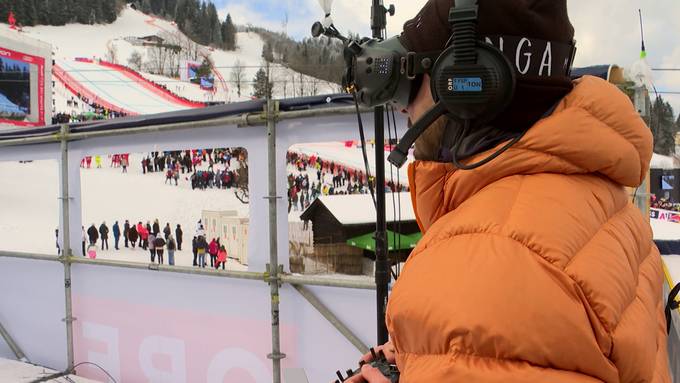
607,31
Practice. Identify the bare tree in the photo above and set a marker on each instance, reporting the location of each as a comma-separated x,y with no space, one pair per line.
111,53
238,76
315,86
284,83
186,49
135,61
158,57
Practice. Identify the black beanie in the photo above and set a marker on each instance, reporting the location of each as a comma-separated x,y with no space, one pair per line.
534,19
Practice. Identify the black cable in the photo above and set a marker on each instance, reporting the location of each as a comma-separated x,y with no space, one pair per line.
396,135
635,194
466,129
363,150
65,374
394,202
96,365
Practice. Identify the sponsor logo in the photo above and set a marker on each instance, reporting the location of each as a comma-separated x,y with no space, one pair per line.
465,84
665,215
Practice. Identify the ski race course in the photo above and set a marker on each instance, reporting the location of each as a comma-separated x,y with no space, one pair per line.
120,89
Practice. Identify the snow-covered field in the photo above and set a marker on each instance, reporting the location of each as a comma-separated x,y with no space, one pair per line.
96,41
30,209
116,88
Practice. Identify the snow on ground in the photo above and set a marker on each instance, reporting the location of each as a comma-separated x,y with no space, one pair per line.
84,40
30,208
94,41
18,372
186,89
118,89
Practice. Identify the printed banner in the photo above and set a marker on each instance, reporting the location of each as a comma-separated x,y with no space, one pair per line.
144,343
22,89
665,215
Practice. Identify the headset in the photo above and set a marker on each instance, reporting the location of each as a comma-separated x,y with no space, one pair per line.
471,80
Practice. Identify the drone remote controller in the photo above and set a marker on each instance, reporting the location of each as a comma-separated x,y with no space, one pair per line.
380,362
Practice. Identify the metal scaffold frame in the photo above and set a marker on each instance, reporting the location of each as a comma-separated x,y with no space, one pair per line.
273,275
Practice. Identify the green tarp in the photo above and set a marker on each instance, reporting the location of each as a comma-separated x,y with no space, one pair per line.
395,241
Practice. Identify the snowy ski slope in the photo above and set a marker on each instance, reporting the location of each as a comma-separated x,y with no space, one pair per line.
118,89
30,209
94,42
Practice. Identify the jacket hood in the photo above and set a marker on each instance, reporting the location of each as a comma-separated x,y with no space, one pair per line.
594,130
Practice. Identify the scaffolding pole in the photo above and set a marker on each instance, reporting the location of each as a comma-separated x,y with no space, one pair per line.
642,193
365,284
274,275
332,318
273,266
244,120
13,345
66,245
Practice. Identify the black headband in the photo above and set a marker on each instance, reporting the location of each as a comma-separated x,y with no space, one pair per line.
536,58
531,58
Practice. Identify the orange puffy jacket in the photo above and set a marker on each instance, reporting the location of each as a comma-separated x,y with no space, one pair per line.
537,267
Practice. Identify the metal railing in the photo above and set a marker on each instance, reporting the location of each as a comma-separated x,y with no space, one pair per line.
273,276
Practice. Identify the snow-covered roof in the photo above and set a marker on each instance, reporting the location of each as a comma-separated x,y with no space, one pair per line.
664,162
358,209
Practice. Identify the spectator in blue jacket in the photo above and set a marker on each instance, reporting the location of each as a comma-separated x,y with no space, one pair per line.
116,235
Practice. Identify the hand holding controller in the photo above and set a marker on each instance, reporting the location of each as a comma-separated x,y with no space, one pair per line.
375,367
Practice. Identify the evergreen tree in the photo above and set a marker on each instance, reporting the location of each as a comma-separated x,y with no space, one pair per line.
109,11
31,9
157,7
170,7
229,34
83,13
202,27
262,87
146,6
4,10
267,53
214,32
57,12
205,69
98,10
663,127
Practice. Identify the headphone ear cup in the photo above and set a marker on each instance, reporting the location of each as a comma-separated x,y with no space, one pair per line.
479,91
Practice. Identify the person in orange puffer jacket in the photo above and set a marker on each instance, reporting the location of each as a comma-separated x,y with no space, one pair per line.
535,267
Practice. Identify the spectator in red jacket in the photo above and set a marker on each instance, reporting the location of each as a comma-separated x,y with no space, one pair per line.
221,257
212,250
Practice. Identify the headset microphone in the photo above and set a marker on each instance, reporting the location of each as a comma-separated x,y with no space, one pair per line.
471,81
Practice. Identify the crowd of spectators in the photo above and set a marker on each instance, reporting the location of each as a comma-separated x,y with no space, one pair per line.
98,112
220,168
327,178
663,203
